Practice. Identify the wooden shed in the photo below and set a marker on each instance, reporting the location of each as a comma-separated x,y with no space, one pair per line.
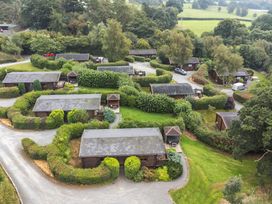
72,77
179,90
224,120
45,104
145,143
191,64
48,80
172,135
113,101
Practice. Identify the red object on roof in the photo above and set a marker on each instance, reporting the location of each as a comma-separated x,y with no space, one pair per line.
49,55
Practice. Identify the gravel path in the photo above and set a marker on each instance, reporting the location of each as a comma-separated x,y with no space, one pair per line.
36,188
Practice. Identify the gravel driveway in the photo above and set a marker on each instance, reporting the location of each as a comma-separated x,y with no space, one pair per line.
36,188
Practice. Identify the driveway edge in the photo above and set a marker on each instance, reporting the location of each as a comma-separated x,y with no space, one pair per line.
9,177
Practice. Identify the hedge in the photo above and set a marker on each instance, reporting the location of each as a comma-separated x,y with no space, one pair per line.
210,90
139,58
162,76
9,92
156,64
33,150
130,59
77,115
242,96
3,112
42,62
218,102
6,58
201,76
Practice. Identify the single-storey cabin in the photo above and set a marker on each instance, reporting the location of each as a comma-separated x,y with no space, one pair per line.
191,64
48,80
113,101
143,52
171,135
179,90
80,57
218,78
224,119
45,104
72,77
120,69
145,143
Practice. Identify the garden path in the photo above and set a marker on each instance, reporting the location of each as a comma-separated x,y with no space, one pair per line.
27,60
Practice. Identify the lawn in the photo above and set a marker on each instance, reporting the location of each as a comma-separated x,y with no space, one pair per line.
136,114
8,194
209,170
26,67
98,90
198,27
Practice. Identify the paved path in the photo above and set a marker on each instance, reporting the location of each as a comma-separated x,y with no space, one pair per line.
118,118
7,102
15,63
36,188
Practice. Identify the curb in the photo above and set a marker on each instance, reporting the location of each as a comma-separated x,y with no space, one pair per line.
20,199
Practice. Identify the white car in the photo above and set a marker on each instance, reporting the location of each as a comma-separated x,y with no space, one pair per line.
238,87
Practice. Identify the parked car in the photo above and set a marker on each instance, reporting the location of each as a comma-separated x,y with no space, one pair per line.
238,87
180,71
140,73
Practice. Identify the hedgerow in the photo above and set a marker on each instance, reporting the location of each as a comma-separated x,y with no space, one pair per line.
42,62
9,92
154,63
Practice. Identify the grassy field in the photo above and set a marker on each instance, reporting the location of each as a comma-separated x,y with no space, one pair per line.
8,194
25,67
136,114
209,170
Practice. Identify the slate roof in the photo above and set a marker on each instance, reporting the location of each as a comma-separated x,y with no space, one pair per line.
48,103
74,56
72,74
192,60
30,77
121,142
172,131
120,69
113,97
142,52
241,73
172,89
228,117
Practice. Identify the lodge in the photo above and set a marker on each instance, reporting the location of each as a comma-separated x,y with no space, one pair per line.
80,57
224,119
48,80
45,104
145,143
179,90
218,78
119,69
143,52
191,64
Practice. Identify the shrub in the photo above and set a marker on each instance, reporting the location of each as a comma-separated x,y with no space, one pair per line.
132,166
154,63
192,120
155,103
139,58
9,92
129,90
22,89
42,62
174,165
3,112
37,85
242,96
218,101
129,59
162,173
113,165
149,174
201,76
182,107
109,115
77,115
56,117
209,90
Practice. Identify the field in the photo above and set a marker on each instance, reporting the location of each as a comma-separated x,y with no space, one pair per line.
200,26
26,67
8,194
136,114
209,170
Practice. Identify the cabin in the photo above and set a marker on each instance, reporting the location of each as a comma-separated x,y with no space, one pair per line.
218,78
45,104
113,101
179,90
80,57
48,80
143,52
171,135
145,143
224,120
72,77
191,64
119,69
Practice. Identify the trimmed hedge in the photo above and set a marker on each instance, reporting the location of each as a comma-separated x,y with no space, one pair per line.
132,167
139,58
9,92
33,150
130,59
209,90
242,96
218,102
162,76
3,112
42,62
154,63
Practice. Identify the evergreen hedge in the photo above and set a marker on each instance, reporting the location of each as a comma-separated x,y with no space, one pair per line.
42,62
9,92
154,63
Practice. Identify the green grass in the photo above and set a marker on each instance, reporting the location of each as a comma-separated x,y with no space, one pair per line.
136,114
198,27
209,170
98,90
26,67
8,194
